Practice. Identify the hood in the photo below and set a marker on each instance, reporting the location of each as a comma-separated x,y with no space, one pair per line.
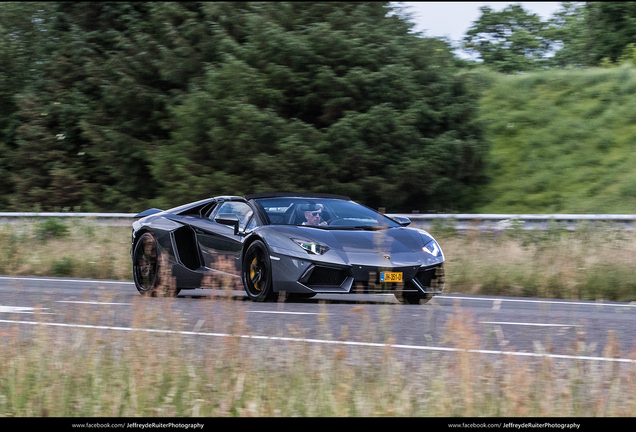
402,246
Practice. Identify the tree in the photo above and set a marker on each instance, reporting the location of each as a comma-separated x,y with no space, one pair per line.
128,105
509,41
110,71
568,32
329,97
21,57
611,27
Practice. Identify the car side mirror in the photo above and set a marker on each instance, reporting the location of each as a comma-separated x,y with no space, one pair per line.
228,219
404,221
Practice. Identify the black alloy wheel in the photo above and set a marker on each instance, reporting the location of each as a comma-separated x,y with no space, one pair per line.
147,266
257,272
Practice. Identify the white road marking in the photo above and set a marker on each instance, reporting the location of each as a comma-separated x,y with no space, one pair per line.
496,304
570,303
198,326
67,280
90,302
289,313
329,342
21,309
500,336
438,297
530,324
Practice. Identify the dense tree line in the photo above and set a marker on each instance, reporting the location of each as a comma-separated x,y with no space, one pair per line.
117,106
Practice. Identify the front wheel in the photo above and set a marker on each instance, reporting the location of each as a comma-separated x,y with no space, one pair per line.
147,268
257,272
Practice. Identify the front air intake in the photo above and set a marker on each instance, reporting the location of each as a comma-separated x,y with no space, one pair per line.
432,279
326,276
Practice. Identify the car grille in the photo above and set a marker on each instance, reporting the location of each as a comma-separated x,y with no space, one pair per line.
326,276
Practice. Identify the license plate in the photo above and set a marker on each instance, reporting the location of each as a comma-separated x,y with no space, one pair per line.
390,276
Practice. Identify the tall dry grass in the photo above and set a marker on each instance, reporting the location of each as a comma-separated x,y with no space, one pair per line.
56,247
590,263
52,371
88,372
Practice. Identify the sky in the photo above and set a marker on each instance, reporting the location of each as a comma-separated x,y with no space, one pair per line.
453,19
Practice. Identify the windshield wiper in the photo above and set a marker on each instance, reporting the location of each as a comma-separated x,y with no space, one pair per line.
370,227
344,227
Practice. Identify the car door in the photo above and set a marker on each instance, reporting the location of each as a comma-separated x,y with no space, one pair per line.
219,244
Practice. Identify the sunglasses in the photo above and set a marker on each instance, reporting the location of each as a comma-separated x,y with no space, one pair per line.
316,213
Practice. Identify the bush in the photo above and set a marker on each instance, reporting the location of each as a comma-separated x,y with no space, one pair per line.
51,227
63,267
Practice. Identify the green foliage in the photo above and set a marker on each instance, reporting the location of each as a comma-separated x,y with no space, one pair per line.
508,41
136,104
628,55
51,227
20,65
568,32
63,267
580,34
120,106
562,142
611,28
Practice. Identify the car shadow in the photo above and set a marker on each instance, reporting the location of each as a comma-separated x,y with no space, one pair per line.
318,299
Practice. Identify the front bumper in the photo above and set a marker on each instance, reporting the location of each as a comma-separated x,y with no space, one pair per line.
303,276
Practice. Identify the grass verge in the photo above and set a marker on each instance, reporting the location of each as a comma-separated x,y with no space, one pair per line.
590,263
91,372
562,141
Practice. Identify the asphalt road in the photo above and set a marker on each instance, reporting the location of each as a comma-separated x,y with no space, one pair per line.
501,325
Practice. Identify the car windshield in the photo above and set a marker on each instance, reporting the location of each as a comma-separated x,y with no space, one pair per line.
323,213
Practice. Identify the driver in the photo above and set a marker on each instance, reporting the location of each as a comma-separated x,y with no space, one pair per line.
313,214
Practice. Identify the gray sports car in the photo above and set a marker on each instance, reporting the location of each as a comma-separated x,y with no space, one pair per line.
298,245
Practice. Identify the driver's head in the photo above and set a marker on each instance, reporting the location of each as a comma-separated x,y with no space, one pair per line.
313,213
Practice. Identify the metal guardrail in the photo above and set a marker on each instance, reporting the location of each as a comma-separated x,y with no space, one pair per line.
420,220
105,219
496,222
66,214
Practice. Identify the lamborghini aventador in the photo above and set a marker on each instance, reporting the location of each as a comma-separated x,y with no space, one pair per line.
273,244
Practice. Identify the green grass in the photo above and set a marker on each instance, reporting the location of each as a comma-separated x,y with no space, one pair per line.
563,141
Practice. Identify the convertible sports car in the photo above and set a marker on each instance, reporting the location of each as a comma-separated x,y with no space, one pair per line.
299,245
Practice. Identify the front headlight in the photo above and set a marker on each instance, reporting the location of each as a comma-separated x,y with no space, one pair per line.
432,248
311,246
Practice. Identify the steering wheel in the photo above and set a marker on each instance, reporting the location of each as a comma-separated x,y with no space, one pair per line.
334,221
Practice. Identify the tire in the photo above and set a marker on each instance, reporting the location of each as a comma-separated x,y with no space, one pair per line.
147,269
257,273
413,298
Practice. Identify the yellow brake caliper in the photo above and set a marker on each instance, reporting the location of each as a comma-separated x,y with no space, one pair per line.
253,273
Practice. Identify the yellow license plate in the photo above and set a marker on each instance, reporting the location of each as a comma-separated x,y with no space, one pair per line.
390,276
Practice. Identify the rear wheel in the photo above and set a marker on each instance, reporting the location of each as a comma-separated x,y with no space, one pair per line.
257,272
147,268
